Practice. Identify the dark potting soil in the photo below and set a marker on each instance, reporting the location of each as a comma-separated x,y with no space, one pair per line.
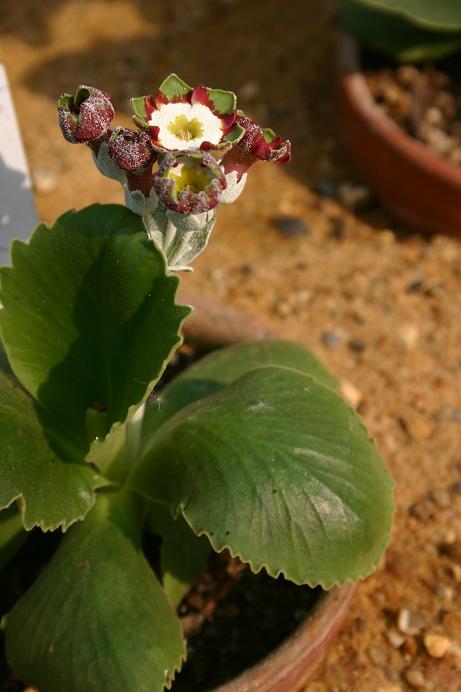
231,618
425,100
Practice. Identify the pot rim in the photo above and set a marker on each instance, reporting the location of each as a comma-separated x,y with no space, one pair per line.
288,666
354,84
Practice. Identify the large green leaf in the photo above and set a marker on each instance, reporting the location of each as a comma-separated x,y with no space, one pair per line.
183,555
280,470
96,619
438,15
89,317
223,367
393,34
12,534
50,493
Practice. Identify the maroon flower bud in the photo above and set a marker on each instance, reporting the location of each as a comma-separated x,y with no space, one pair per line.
133,153
257,144
189,182
86,116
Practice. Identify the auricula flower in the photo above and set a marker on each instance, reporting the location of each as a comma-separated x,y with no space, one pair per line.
257,144
86,116
132,152
182,118
189,183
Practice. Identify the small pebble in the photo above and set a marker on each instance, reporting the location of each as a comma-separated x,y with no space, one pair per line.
354,196
409,622
395,638
415,679
331,339
357,345
44,179
409,334
325,187
291,225
436,645
352,395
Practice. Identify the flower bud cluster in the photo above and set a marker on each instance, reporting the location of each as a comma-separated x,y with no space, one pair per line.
191,151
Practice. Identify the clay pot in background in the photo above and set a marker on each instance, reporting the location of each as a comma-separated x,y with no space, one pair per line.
419,187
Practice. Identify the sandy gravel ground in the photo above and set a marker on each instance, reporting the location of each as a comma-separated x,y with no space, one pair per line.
380,306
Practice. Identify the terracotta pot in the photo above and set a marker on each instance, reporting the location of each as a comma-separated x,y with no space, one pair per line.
419,187
289,666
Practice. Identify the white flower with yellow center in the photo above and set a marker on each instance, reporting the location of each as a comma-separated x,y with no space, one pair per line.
186,126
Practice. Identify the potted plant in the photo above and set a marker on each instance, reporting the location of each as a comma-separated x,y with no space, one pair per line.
399,113
250,450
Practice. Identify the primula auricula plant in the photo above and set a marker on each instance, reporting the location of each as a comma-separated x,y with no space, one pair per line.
192,152
252,450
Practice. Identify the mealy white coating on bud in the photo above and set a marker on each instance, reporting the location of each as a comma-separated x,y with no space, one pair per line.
106,165
180,237
234,187
138,203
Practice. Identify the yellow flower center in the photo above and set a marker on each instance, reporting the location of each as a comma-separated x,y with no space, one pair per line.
191,175
185,129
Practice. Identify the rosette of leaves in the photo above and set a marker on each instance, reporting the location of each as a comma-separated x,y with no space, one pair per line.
406,30
252,450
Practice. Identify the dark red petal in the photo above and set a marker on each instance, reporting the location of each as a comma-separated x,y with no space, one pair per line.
153,131
149,106
200,95
228,122
160,99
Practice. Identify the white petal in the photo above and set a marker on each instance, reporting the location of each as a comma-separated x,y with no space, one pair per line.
167,114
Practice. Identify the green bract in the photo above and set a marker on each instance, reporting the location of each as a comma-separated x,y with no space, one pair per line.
251,449
407,30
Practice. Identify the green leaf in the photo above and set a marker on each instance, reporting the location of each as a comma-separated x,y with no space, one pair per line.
393,35
5,367
438,15
12,534
224,101
50,493
224,366
89,318
96,618
269,135
174,86
280,470
183,555
235,135
139,110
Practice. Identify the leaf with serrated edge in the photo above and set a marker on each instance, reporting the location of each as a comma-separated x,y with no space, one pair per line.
12,534
183,555
97,618
95,330
224,366
277,468
50,492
